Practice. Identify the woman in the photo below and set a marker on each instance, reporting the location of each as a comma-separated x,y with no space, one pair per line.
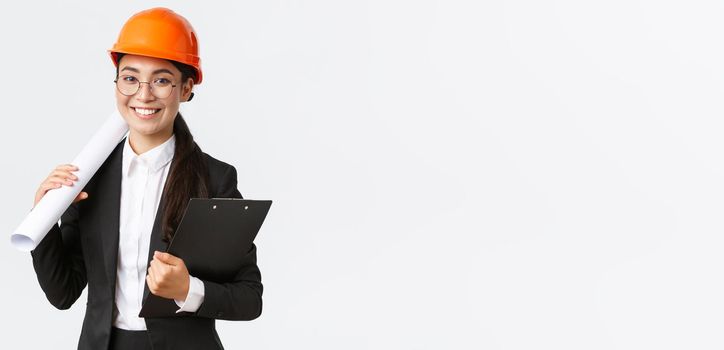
112,237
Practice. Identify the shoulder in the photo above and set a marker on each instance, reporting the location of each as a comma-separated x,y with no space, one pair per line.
217,167
222,177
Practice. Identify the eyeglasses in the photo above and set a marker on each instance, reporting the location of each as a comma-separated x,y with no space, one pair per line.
128,85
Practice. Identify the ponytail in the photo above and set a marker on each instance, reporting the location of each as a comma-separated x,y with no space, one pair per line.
188,178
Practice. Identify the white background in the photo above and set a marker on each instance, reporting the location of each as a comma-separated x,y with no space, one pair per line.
445,174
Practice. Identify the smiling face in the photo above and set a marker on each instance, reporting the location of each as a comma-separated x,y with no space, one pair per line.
150,118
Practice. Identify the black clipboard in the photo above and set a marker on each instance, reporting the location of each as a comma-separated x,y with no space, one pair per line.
212,239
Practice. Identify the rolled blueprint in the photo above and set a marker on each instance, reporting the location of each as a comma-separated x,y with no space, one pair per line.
56,201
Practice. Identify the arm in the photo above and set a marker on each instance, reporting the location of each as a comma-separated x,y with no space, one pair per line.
237,300
241,298
58,261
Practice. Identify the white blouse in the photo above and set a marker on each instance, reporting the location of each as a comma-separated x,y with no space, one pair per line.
142,184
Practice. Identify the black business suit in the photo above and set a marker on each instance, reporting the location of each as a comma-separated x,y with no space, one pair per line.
84,250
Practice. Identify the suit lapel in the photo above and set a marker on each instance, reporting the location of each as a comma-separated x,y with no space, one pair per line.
109,198
157,242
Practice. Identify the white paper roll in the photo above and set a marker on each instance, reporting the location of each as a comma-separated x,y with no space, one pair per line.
56,201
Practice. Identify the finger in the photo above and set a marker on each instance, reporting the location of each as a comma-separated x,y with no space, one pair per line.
60,172
154,265
56,179
159,268
152,275
167,258
61,180
66,169
63,175
151,284
47,186
70,167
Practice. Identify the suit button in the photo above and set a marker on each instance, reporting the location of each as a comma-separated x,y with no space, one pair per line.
220,313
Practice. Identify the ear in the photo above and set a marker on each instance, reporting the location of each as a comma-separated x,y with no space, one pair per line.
187,90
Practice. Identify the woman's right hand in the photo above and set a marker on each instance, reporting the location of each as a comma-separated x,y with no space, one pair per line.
62,175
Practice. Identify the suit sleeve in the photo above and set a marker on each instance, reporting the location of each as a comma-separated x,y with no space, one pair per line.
58,261
239,299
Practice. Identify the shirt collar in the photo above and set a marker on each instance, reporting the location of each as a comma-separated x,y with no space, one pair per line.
154,159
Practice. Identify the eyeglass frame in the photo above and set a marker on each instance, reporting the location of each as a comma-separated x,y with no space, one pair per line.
150,87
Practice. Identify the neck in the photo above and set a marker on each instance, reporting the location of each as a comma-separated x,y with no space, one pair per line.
142,143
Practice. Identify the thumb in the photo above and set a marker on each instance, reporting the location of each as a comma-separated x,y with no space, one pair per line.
81,196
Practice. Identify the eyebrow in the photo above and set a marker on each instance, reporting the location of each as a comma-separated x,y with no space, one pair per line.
162,70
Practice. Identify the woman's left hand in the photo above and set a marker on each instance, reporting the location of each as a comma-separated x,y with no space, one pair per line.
168,277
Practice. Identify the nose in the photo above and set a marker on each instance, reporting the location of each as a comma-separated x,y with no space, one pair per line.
144,92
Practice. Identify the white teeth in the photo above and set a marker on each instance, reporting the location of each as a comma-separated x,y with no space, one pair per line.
146,111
